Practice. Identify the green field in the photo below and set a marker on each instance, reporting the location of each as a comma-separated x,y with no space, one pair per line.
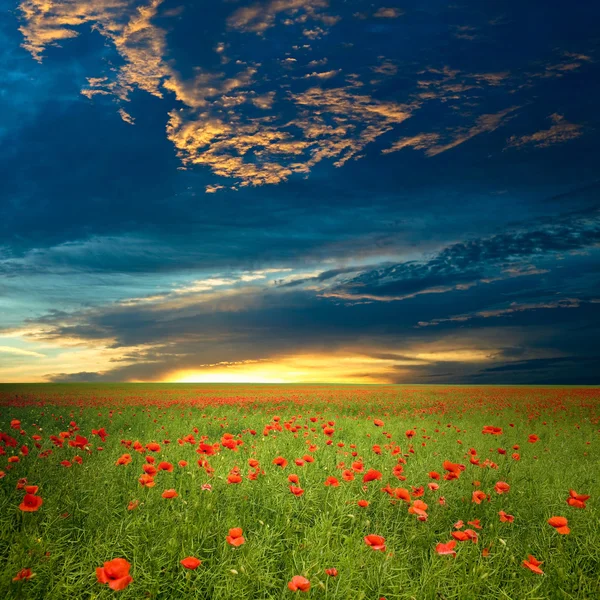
84,520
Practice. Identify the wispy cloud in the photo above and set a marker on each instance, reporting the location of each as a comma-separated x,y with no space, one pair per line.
513,308
19,351
560,132
430,142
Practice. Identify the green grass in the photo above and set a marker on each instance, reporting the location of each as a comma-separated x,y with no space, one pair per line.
288,535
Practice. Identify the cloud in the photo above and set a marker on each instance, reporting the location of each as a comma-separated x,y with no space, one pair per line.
513,308
429,142
569,62
560,132
466,264
243,121
127,26
330,124
126,116
388,13
324,74
19,351
260,16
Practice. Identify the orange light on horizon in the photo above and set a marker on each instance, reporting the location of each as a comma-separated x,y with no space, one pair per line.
306,368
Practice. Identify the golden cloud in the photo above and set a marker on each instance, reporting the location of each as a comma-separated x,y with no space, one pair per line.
561,131
260,16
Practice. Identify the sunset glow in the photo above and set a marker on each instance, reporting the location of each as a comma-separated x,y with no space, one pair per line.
299,191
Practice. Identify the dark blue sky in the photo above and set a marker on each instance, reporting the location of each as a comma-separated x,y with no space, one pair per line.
299,190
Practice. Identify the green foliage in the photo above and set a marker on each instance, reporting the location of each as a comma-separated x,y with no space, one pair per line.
84,520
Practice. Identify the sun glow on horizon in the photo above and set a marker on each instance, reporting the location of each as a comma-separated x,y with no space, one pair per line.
329,368
297,369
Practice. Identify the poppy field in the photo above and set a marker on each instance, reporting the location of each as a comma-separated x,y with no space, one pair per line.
277,492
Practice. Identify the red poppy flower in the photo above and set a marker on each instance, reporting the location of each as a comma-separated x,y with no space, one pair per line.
23,575
149,469
234,478
124,459
116,573
191,562
378,422
533,564
577,500
299,583
418,508
402,494
475,523
182,463
280,462
417,492
447,548
296,490
169,494
133,505
165,466
147,480
363,503
505,517
502,487
479,496
31,489
235,537
533,438
434,475
332,482
560,524
371,475
153,447
31,503
490,429
375,541
331,572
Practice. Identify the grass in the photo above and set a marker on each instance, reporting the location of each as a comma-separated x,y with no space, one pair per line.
84,520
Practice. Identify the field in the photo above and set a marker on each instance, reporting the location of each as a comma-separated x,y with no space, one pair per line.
460,482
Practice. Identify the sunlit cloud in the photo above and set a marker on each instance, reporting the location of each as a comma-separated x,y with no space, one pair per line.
560,132
430,142
19,351
260,16
388,13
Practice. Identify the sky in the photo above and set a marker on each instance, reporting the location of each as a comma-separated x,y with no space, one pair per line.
285,191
